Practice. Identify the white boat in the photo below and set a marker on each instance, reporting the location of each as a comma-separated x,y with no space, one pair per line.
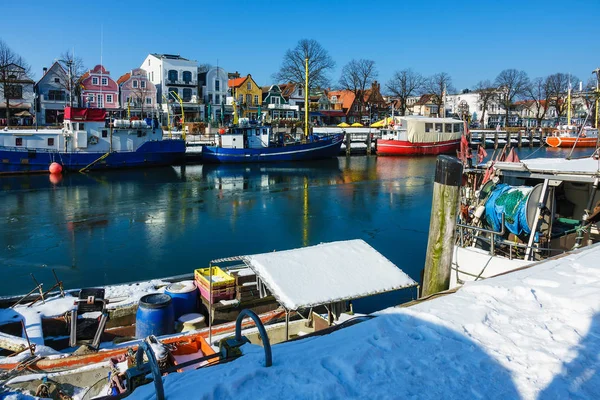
530,210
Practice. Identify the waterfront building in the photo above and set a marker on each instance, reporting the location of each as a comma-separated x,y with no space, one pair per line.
173,76
213,90
52,92
371,108
276,105
98,89
17,96
137,94
247,94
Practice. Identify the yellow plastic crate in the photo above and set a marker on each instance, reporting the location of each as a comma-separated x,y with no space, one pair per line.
220,278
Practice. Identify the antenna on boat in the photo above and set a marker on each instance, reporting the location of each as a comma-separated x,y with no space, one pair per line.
306,98
101,66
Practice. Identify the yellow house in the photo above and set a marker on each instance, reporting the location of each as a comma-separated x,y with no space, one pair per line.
247,95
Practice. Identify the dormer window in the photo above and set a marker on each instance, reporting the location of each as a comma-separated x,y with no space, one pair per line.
94,81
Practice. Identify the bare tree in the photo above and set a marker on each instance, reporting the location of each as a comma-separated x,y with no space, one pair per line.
537,92
558,87
74,68
438,86
356,76
319,64
204,67
512,84
139,95
404,84
487,92
14,72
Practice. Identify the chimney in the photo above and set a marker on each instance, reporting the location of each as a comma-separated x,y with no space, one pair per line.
45,70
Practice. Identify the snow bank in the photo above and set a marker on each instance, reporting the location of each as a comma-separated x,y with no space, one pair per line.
530,334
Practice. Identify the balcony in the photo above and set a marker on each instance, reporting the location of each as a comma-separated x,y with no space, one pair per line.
180,82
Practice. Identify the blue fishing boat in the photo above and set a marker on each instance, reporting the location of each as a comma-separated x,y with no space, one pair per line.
256,144
88,141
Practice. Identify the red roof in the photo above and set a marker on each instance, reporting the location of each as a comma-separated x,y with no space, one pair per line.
124,78
236,82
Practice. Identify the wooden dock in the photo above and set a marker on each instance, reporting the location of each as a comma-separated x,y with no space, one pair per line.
515,138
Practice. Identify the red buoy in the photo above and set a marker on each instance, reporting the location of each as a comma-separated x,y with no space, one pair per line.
221,131
55,168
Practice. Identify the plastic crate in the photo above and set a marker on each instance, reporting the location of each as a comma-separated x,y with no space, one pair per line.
221,278
227,293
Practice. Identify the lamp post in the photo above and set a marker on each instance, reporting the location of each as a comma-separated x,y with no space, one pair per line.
179,99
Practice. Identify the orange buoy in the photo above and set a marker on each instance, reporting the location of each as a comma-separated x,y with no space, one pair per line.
221,131
55,168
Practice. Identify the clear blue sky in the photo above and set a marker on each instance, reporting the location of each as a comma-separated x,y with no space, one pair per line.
470,40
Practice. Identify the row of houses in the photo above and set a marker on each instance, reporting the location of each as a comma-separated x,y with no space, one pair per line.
169,86
524,113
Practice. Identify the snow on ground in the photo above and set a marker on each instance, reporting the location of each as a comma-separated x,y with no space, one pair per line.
532,334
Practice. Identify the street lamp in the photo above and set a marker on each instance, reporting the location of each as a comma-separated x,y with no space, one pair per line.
176,96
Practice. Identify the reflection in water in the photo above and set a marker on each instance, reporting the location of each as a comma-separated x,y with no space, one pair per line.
103,228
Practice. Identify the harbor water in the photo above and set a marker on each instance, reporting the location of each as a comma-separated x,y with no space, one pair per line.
113,227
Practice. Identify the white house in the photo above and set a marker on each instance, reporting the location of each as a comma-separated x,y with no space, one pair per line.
175,76
19,94
214,91
52,95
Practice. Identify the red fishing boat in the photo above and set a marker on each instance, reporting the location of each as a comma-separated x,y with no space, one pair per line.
416,135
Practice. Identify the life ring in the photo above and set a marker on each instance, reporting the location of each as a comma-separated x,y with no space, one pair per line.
93,140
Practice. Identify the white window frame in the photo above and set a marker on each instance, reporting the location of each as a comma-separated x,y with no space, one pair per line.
109,98
104,80
143,84
149,100
134,84
95,80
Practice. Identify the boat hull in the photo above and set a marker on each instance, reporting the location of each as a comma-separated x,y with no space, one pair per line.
557,141
406,148
324,148
152,153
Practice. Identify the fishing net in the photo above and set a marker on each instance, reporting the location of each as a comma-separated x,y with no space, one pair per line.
512,202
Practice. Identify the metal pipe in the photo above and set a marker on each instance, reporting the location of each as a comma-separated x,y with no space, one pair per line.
586,215
536,220
261,330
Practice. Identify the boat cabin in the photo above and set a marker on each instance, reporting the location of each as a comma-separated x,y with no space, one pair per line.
84,130
422,129
252,137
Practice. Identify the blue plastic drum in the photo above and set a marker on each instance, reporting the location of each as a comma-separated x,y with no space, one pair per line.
155,316
185,297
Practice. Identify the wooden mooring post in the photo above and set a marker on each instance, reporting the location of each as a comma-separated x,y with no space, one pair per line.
442,226
369,143
531,138
495,140
348,144
519,138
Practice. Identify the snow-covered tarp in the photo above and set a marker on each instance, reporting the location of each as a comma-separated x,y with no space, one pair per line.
531,334
327,273
545,165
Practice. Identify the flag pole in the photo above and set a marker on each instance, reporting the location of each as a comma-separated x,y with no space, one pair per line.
306,98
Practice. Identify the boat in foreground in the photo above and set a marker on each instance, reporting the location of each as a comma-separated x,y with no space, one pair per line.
569,136
79,335
516,213
415,135
256,144
87,141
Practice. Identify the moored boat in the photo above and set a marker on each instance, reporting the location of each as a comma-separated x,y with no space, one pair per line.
516,213
87,141
256,144
569,136
415,135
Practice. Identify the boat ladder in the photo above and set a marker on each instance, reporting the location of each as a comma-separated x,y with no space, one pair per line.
89,166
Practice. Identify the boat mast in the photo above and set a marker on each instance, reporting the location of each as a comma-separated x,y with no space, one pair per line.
569,104
306,98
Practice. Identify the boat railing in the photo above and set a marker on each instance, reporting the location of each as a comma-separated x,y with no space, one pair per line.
494,242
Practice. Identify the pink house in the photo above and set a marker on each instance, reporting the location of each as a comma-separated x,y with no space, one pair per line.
98,89
137,93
